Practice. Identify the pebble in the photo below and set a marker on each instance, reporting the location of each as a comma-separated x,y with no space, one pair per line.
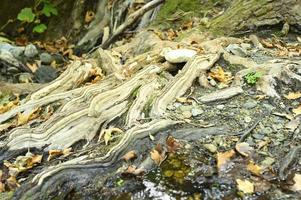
186,108
46,58
220,107
250,104
25,78
177,105
45,74
17,52
179,55
268,107
236,50
8,57
248,119
195,112
211,147
267,130
186,114
246,46
212,82
30,51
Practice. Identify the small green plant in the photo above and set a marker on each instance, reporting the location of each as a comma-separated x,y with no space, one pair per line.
32,15
252,77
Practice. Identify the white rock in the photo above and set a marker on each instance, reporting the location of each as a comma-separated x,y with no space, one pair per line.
179,55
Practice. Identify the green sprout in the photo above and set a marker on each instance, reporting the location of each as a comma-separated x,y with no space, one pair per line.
252,77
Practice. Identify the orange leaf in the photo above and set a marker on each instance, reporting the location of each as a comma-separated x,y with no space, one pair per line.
224,158
89,16
130,156
293,95
254,169
156,156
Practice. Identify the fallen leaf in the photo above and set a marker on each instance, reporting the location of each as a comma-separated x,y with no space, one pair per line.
57,152
107,137
297,110
2,186
8,106
130,156
33,67
134,170
220,75
266,43
172,144
156,156
293,124
23,118
12,183
89,16
224,158
245,186
297,185
254,169
293,95
244,149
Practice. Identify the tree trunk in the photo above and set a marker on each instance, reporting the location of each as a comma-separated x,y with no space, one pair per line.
244,15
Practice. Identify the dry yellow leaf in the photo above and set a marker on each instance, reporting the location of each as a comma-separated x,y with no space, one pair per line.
23,118
129,155
224,158
2,187
9,106
245,186
156,156
297,185
293,95
220,75
254,169
297,110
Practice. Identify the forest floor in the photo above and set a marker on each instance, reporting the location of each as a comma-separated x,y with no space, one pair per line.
244,145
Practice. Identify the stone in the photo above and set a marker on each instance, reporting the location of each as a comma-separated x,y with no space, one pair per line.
211,147
250,104
5,46
186,114
246,46
46,58
45,74
30,51
248,119
17,52
8,57
25,78
179,55
196,112
236,50
220,107
185,108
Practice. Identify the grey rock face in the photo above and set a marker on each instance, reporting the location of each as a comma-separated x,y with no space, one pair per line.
46,58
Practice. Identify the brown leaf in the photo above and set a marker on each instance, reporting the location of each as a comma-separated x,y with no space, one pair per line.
254,169
134,170
2,187
244,149
293,95
89,16
267,44
172,144
156,156
129,156
58,152
245,186
224,158
12,183
297,185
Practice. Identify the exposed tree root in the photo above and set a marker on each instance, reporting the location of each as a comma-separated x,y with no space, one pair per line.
132,98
